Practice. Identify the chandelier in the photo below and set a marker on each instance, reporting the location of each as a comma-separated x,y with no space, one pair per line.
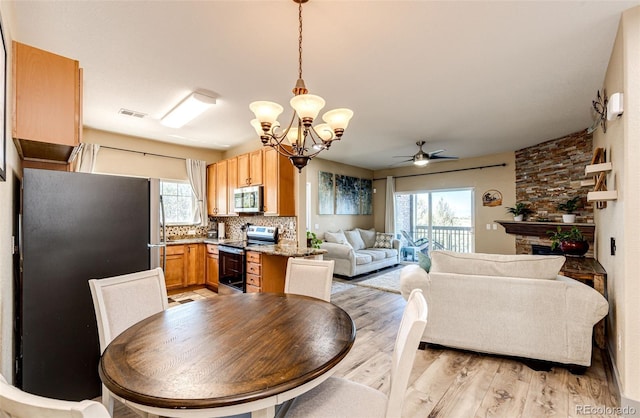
301,140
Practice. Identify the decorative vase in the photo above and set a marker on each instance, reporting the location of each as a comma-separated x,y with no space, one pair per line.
574,248
569,218
518,218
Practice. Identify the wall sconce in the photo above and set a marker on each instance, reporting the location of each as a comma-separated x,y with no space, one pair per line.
615,107
606,108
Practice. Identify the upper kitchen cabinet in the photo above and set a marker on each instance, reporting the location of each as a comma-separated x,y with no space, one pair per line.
47,117
250,168
278,180
232,182
218,189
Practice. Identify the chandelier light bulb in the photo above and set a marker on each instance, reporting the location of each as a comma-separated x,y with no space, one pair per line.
256,125
266,112
292,136
307,106
338,119
324,131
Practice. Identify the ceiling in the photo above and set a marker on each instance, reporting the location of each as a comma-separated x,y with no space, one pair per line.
474,78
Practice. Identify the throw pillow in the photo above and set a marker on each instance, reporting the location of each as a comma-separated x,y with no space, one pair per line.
336,238
354,239
368,236
424,261
383,240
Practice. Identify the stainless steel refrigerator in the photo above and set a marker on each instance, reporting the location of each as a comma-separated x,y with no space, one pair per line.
75,227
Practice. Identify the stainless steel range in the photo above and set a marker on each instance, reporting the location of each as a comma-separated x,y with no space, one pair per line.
232,275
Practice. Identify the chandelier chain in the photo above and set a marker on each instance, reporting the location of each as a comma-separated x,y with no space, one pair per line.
300,40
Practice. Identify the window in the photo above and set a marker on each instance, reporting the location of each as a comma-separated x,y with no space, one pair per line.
179,202
442,218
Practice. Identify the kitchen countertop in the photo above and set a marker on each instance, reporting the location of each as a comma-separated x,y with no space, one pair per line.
285,250
278,249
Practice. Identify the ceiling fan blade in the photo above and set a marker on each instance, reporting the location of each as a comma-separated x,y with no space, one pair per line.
432,153
437,157
402,156
401,162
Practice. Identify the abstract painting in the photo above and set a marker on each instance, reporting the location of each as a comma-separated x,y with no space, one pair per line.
347,195
366,197
326,196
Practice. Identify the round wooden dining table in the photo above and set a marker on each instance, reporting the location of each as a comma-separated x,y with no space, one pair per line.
227,355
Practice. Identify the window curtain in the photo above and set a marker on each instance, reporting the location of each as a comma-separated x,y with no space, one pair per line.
87,158
197,172
389,215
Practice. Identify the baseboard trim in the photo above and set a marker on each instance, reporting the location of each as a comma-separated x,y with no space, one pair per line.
628,407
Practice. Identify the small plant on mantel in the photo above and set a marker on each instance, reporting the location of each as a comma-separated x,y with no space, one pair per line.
569,207
570,242
520,211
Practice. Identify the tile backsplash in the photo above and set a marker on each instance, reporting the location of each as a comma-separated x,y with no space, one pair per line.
287,227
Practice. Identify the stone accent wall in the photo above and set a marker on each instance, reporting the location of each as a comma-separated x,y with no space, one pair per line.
550,173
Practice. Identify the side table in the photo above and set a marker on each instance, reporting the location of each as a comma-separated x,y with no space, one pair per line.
406,252
590,272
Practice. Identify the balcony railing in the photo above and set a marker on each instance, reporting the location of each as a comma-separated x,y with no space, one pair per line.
453,238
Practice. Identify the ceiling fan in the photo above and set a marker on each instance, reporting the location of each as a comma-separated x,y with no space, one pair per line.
422,158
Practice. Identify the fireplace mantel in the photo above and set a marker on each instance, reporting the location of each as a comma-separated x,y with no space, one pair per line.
540,229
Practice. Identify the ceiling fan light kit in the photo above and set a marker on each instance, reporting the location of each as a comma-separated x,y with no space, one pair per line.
300,141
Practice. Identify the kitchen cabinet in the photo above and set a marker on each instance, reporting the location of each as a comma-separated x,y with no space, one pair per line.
194,264
217,189
47,117
278,179
232,181
250,168
212,191
185,265
174,271
212,265
265,273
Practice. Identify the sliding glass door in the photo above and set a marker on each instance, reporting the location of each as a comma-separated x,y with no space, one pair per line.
438,219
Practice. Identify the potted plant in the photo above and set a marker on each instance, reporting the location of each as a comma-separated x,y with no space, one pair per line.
520,211
568,208
570,242
312,240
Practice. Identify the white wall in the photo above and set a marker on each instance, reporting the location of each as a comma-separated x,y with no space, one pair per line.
620,219
112,161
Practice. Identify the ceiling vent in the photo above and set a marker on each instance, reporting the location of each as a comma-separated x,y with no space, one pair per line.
132,113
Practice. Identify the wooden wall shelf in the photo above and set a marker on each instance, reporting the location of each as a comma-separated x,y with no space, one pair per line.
540,229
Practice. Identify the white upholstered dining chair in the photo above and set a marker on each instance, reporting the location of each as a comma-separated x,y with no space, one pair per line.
338,397
309,278
122,301
15,403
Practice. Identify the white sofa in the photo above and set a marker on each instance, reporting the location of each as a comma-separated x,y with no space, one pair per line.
514,305
355,251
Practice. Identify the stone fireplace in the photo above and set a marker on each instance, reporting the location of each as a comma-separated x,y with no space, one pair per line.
547,174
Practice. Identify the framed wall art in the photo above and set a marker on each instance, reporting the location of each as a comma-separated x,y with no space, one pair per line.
366,197
347,195
326,195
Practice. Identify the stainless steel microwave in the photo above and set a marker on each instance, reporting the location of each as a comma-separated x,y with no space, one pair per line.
248,199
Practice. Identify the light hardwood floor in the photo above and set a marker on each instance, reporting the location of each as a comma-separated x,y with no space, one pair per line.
453,383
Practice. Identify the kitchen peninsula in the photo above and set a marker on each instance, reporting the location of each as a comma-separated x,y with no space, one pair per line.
193,262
